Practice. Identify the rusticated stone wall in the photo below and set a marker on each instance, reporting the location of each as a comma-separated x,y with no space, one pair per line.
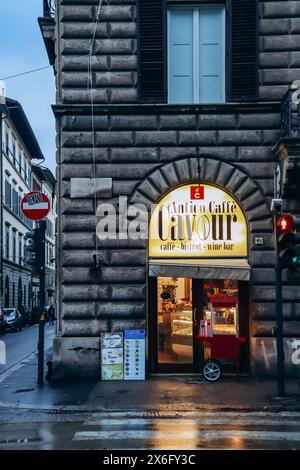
146,150
115,59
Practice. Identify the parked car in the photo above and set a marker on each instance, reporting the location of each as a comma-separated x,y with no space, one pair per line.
2,321
13,319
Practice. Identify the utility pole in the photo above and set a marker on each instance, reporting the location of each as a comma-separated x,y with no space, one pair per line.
279,308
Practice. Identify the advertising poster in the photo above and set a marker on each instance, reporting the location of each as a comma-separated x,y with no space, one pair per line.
112,356
134,355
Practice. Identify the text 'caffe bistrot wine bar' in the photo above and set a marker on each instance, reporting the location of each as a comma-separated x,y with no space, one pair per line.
198,279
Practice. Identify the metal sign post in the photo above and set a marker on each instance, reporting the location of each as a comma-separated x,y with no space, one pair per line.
41,342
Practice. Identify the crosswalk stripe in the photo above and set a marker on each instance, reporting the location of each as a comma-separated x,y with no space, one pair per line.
185,435
178,421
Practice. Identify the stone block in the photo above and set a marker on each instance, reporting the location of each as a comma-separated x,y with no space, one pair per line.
280,76
279,9
113,46
76,357
197,138
263,275
83,258
155,138
124,188
295,59
173,153
119,274
83,155
83,30
123,62
135,154
122,96
274,60
239,137
122,30
128,292
128,258
80,63
114,310
113,79
118,139
281,43
77,310
131,324
84,328
74,12
84,293
259,121
271,93
133,122
274,26
80,240
83,123
83,96
216,121
271,137
82,206
78,223
255,153
260,258
181,121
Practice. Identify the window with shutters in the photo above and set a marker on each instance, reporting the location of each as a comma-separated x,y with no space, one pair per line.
196,55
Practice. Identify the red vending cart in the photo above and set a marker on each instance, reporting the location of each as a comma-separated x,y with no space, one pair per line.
220,333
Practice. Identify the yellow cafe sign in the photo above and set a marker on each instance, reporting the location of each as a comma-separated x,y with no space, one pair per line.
197,221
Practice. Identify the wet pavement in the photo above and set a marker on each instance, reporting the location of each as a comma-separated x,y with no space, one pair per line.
141,430
20,345
162,413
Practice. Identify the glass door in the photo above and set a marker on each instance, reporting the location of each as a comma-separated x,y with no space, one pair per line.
177,324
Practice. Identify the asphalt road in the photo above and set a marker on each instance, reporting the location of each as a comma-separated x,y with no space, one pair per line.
167,431
22,344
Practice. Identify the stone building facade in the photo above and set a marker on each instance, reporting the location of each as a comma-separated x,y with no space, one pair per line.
145,146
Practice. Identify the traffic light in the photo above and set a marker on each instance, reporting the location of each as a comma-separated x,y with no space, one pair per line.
36,249
288,245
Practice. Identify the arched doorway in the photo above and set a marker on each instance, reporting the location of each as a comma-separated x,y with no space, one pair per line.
20,294
199,273
13,294
6,297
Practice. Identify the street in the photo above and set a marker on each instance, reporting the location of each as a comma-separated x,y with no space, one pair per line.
21,345
28,430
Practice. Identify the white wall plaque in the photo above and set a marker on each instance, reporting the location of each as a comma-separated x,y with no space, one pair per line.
88,187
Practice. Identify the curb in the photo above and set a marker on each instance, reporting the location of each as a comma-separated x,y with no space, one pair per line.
187,407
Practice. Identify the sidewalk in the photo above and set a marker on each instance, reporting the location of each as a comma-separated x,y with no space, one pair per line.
159,393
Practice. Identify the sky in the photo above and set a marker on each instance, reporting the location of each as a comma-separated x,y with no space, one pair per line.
22,49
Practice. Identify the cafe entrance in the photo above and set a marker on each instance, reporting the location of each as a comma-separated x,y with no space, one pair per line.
198,276
181,308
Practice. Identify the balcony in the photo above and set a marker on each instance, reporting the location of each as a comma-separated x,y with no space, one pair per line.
290,113
47,26
287,149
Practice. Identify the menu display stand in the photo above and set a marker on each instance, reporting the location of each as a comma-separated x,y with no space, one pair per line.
112,356
134,354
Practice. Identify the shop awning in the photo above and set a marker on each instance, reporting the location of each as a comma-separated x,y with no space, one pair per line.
238,269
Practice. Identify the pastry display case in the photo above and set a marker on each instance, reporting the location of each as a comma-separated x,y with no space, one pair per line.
224,318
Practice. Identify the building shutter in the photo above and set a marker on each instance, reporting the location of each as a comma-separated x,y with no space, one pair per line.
244,50
211,60
151,42
181,64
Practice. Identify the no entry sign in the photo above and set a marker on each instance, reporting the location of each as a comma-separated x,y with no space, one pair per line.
35,205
